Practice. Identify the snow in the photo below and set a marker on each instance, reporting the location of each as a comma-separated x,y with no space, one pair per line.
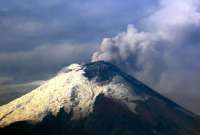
74,67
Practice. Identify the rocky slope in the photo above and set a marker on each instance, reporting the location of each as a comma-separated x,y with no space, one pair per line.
95,98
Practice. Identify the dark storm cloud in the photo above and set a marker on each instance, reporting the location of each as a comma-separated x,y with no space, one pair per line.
32,33
27,24
41,62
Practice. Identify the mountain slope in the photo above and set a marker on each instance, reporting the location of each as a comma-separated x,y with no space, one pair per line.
96,98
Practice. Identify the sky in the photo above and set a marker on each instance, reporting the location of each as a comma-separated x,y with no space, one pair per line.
156,41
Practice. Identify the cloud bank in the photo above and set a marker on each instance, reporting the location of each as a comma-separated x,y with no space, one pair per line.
163,50
41,62
39,37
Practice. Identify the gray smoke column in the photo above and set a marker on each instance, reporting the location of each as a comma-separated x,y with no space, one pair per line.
136,52
163,51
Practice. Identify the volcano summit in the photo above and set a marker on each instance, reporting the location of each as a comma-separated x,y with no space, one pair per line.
95,99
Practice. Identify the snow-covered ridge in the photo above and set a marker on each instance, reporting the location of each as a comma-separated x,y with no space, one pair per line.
70,90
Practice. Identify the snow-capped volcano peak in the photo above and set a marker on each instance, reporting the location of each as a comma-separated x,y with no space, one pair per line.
75,89
95,98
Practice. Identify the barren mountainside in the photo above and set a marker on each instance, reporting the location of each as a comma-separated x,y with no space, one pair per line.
95,99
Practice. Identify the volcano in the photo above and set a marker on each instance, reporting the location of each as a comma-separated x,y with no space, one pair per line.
95,99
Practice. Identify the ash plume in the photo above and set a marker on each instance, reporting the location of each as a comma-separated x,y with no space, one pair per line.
163,50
